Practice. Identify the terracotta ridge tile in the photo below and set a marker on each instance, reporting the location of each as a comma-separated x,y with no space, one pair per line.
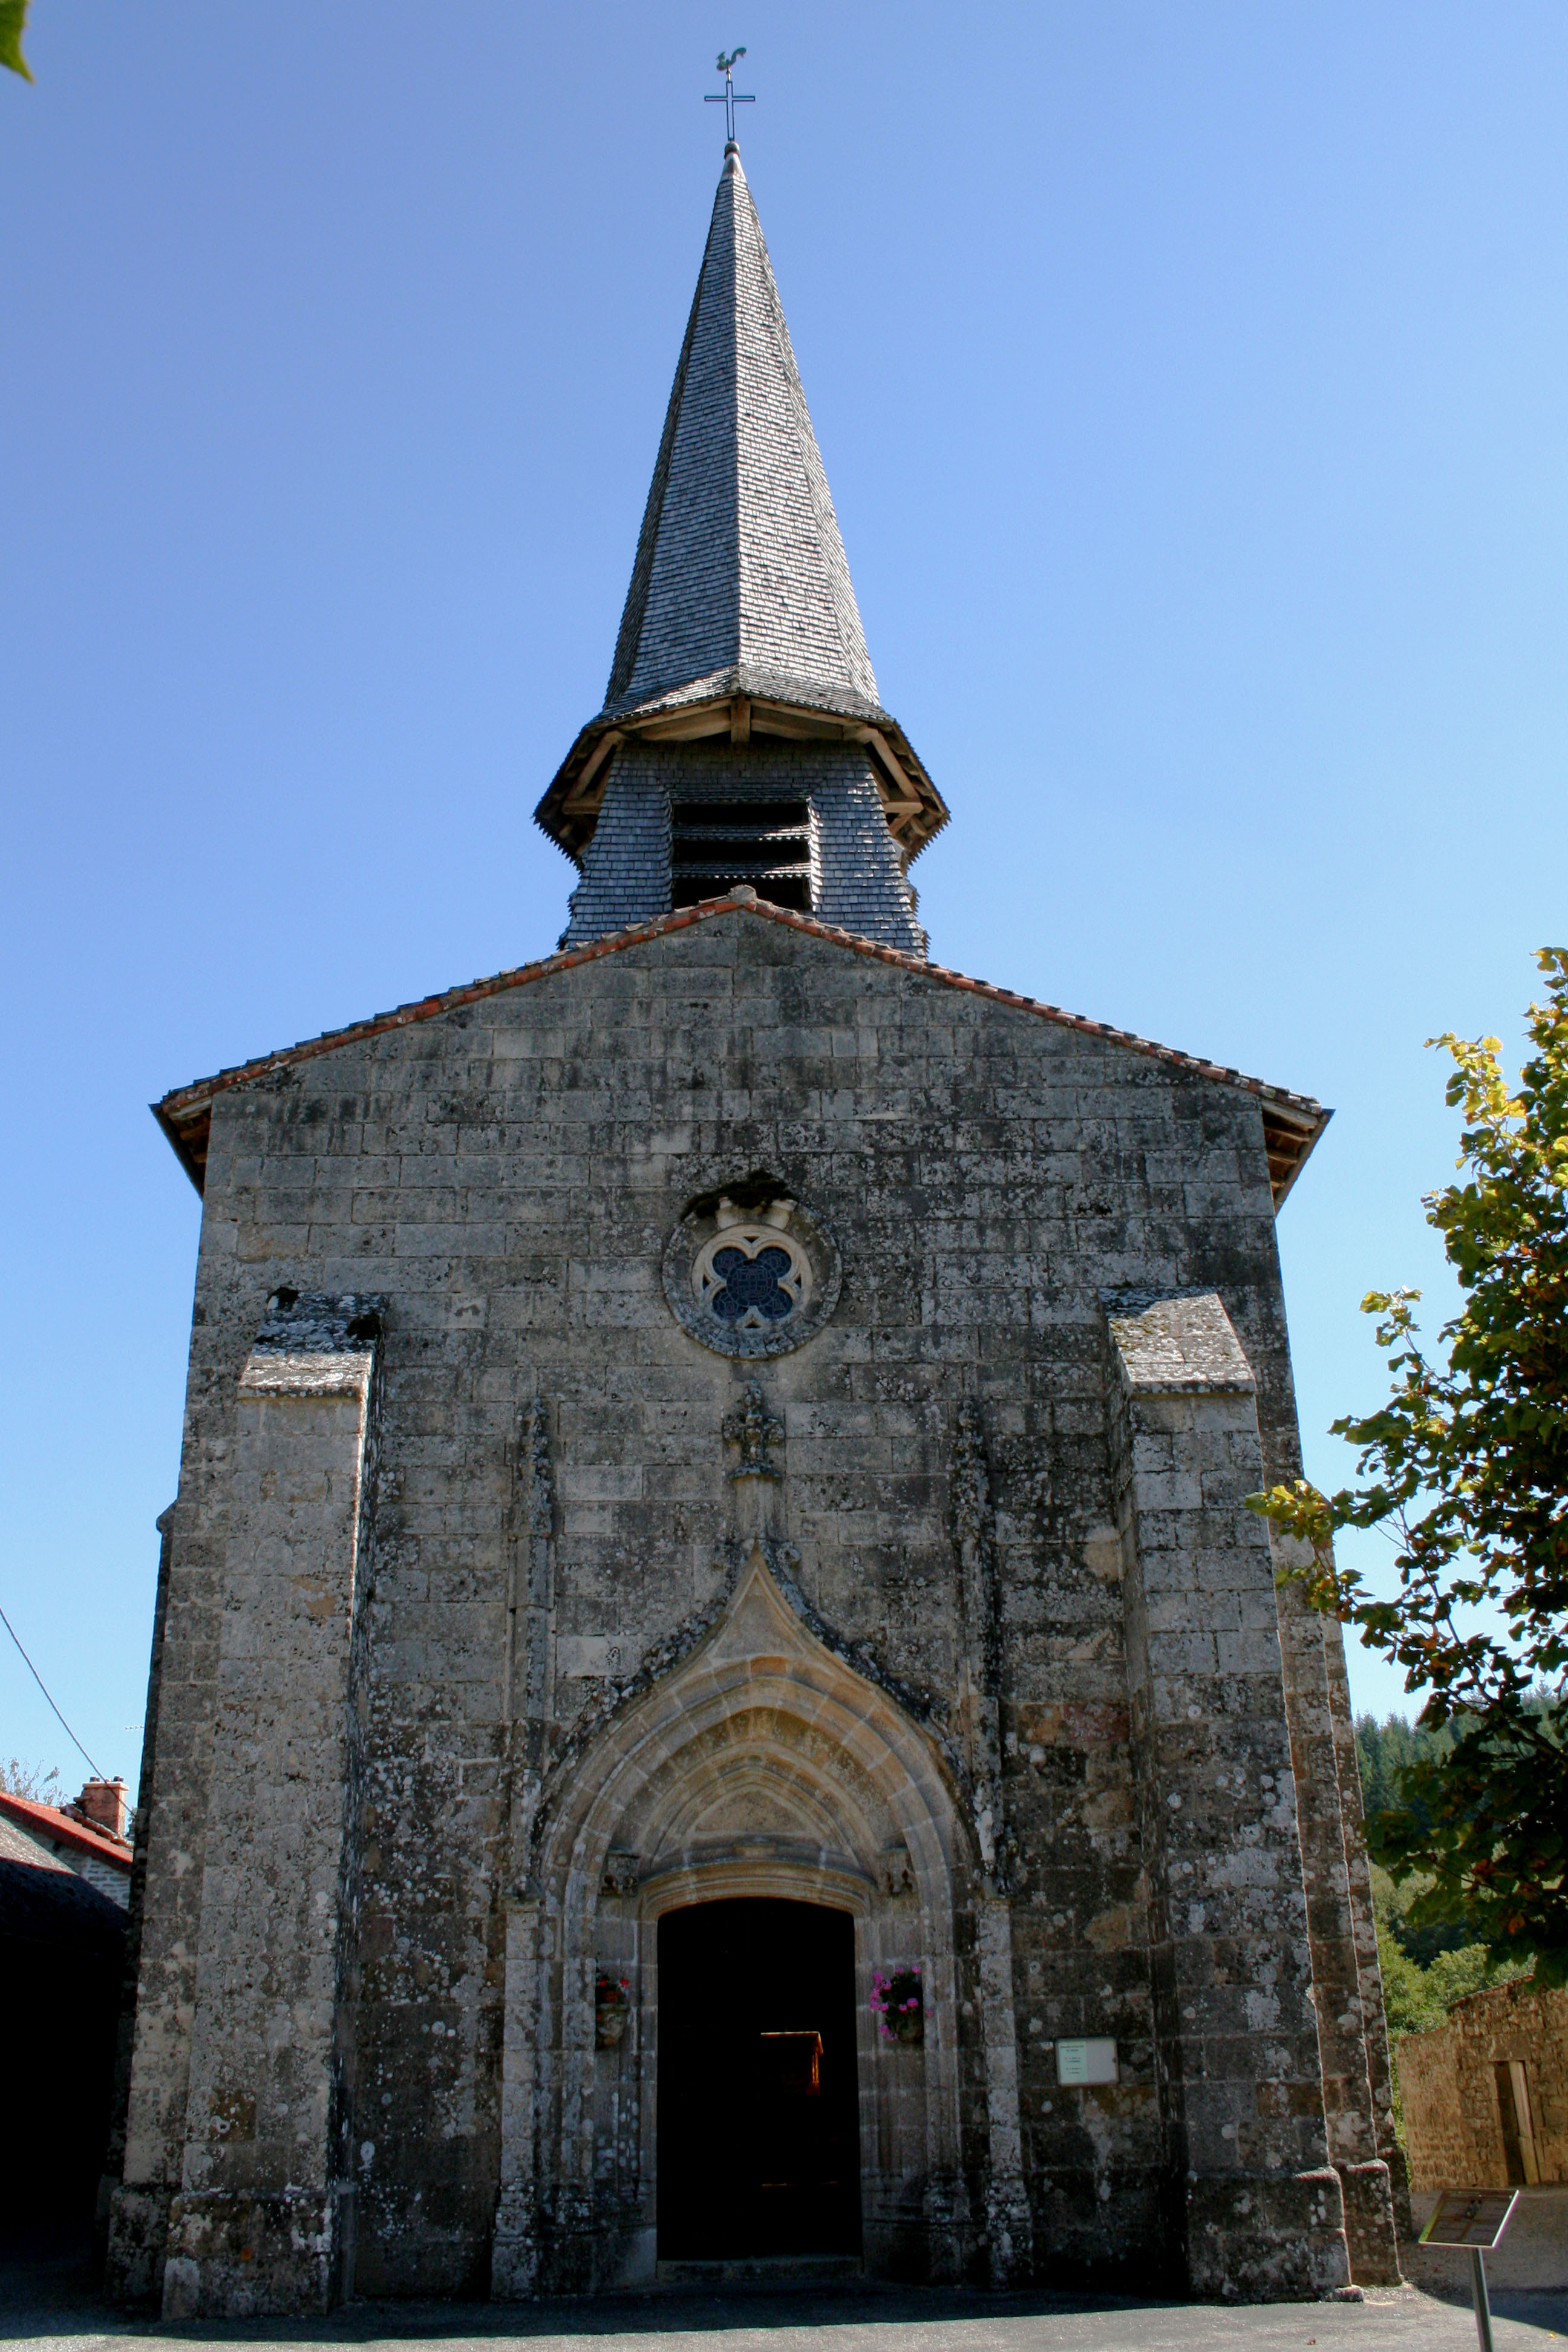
191,1096
53,1820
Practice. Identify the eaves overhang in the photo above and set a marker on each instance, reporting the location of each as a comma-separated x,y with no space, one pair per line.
52,1821
735,705
1291,1122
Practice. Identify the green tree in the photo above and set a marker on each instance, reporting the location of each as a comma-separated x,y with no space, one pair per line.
1466,1465
1420,1986
1417,1999
12,24
1383,1752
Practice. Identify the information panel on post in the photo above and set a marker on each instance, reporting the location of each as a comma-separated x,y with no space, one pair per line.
1470,2217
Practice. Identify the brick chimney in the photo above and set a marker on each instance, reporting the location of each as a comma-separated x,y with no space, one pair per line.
102,1802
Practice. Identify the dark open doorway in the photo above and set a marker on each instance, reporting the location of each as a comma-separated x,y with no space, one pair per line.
759,2146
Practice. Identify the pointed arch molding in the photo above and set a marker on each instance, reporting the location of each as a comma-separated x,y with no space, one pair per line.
759,1762
869,1766
809,1630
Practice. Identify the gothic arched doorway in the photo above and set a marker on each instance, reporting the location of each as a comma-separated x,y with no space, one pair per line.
758,2120
760,1768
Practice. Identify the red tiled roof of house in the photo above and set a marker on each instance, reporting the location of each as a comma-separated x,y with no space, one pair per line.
1293,1123
54,1822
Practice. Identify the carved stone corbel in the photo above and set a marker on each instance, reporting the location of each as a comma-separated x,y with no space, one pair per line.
620,1873
753,1429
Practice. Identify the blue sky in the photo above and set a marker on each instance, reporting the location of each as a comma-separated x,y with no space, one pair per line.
1192,385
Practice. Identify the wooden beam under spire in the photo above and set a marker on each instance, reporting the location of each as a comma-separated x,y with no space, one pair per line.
577,798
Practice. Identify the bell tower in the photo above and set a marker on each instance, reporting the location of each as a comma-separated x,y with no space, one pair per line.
742,740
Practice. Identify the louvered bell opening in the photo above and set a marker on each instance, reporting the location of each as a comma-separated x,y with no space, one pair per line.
716,844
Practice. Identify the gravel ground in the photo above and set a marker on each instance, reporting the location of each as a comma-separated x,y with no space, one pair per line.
46,2300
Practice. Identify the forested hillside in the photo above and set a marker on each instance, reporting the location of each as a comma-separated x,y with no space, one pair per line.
1424,1968
1384,1750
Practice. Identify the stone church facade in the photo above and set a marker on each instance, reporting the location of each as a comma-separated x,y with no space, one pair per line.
711,1517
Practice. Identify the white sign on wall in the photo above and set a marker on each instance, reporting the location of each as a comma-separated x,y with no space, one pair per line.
1085,2061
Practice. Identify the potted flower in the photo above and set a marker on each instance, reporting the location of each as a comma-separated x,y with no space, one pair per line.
611,2011
899,2003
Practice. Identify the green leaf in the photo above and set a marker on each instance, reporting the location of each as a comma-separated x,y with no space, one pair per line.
1465,1467
12,22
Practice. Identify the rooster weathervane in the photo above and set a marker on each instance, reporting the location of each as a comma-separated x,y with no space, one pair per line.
732,97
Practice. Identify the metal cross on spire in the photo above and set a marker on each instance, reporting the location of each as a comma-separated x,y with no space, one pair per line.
732,97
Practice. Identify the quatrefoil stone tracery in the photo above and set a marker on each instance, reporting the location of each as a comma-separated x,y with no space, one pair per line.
751,1278
757,1280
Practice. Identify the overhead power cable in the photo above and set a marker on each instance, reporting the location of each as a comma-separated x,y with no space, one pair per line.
45,1688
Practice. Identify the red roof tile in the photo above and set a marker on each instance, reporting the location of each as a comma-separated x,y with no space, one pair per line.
54,1822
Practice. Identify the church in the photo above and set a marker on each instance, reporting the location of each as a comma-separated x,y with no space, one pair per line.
717,1710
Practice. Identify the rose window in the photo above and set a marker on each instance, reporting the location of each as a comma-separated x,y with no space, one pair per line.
751,1278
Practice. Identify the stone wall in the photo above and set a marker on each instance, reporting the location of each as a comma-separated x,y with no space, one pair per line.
555,1538
1449,2086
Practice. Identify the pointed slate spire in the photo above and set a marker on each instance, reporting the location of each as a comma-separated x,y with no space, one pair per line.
741,673
740,564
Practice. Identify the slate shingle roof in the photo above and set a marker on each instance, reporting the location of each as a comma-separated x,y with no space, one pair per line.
52,1821
740,563
741,618
16,1847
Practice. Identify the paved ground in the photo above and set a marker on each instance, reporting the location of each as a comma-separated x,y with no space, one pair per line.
45,2300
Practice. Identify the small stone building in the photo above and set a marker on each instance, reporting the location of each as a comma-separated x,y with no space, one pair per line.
62,1958
714,1698
1486,2095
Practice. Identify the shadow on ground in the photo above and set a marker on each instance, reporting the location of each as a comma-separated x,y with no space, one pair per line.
47,2295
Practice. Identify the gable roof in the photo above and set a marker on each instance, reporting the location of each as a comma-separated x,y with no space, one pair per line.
16,1846
62,1828
1291,1122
